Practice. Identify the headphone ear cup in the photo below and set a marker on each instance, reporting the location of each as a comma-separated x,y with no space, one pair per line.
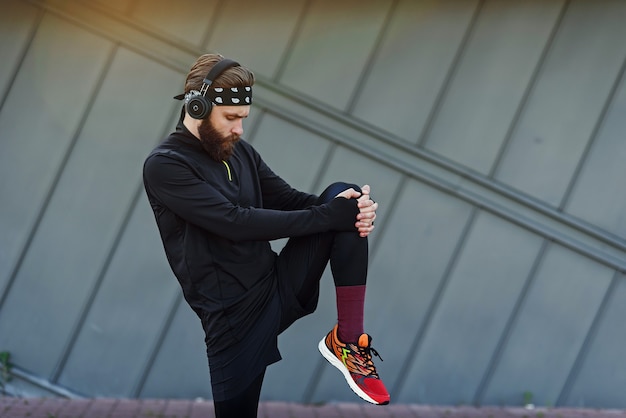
197,106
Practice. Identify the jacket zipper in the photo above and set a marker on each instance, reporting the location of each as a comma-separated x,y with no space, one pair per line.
230,177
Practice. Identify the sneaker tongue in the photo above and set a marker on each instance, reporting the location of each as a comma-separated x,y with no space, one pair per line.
364,340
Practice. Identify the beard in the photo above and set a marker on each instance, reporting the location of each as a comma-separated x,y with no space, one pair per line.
218,146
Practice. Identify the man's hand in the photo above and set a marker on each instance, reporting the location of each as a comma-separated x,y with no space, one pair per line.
367,209
367,212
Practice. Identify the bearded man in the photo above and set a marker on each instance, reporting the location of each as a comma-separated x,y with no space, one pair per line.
218,205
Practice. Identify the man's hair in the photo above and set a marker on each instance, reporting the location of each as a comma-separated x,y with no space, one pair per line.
233,77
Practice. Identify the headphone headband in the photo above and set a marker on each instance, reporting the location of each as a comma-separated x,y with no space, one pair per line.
217,70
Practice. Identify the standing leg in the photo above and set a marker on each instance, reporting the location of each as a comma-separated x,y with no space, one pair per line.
244,405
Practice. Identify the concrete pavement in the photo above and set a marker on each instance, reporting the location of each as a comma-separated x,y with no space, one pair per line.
164,408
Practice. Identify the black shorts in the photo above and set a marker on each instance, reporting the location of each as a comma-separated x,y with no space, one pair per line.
297,277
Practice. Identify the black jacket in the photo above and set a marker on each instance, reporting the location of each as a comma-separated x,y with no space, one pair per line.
216,220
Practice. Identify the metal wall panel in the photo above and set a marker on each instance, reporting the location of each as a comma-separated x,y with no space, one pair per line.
490,80
17,22
55,88
180,368
328,31
549,330
127,313
48,97
293,153
238,22
566,100
187,22
598,194
601,379
88,206
466,326
120,6
410,66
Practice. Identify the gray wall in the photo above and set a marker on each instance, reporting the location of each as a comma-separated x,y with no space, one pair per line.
491,132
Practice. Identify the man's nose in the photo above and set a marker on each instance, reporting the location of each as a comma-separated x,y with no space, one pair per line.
238,128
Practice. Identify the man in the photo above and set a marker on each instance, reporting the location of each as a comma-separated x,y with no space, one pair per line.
217,205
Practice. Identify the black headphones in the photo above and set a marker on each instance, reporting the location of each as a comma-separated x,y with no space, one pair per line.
196,104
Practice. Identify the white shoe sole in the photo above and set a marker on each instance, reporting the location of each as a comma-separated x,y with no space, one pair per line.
332,359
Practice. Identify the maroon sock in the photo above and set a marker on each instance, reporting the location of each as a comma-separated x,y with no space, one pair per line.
350,304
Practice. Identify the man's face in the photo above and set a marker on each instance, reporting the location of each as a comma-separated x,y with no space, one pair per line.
222,129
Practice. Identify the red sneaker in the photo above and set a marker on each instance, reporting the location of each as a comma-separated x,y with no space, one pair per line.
354,361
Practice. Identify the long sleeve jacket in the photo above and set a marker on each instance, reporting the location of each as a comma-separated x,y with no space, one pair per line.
216,219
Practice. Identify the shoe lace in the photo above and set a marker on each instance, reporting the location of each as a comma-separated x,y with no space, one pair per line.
366,354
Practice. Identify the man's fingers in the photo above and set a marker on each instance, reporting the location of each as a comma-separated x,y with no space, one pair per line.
349,194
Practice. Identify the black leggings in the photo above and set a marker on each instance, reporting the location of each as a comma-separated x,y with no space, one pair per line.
306,257
244,405
303,260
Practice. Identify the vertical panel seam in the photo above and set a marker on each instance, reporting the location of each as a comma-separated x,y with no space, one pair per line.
158,344
367,69
314,381
254,127
208,32
414,347
593,136
4,292
527,92
510,323
53,185
587,342
20,61
284,59
141,380
445,85
381,225
94,94
86,308
102,271
324,164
